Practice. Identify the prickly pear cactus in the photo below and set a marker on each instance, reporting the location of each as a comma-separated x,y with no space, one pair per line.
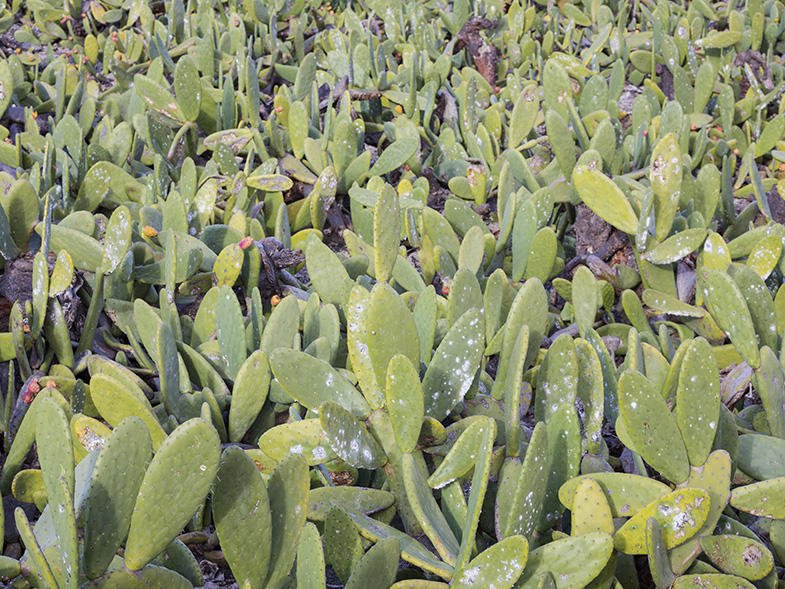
503,278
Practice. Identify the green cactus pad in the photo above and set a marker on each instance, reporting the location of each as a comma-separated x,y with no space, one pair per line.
517,396
530,307
665,175
557,379
574,561
40,287
167,361
472,249
328,275
117,239
776,537
523,232
669,304
762,457
42,568
310,572
590,509
241,512
564,443
404,401
342,541
357,344
462,455
377,569
714,476
112,378
381,428
714,580
521,492
157,97
389,330
698,400
24,439
62,275
202,373
561,141
64,517
55,448
386,232
606,199
454,364
114,486
86,253
660,568
585,299
557,82
465,294
28,487
395,155
524,114
494,295
270,182
311,382
680,515
651,426
542,256
411,550
305,437
151,576
230,330
767,380
9,567
764,499
739,556
56,333
764,256
500,565
677,246
55,452
248,394
715,254
21,206
760,305
627,494
427,511
174,487
591,393
359,499
115,402
204,322
349,438
187,89
178,558
482,470
228,265
287,488
729,309
281,327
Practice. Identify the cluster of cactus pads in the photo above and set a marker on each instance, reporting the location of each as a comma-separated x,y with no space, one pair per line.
414,294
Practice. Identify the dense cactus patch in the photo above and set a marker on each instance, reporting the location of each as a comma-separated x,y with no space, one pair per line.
383,294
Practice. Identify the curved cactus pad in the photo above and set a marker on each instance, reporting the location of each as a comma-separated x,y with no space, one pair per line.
175,485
